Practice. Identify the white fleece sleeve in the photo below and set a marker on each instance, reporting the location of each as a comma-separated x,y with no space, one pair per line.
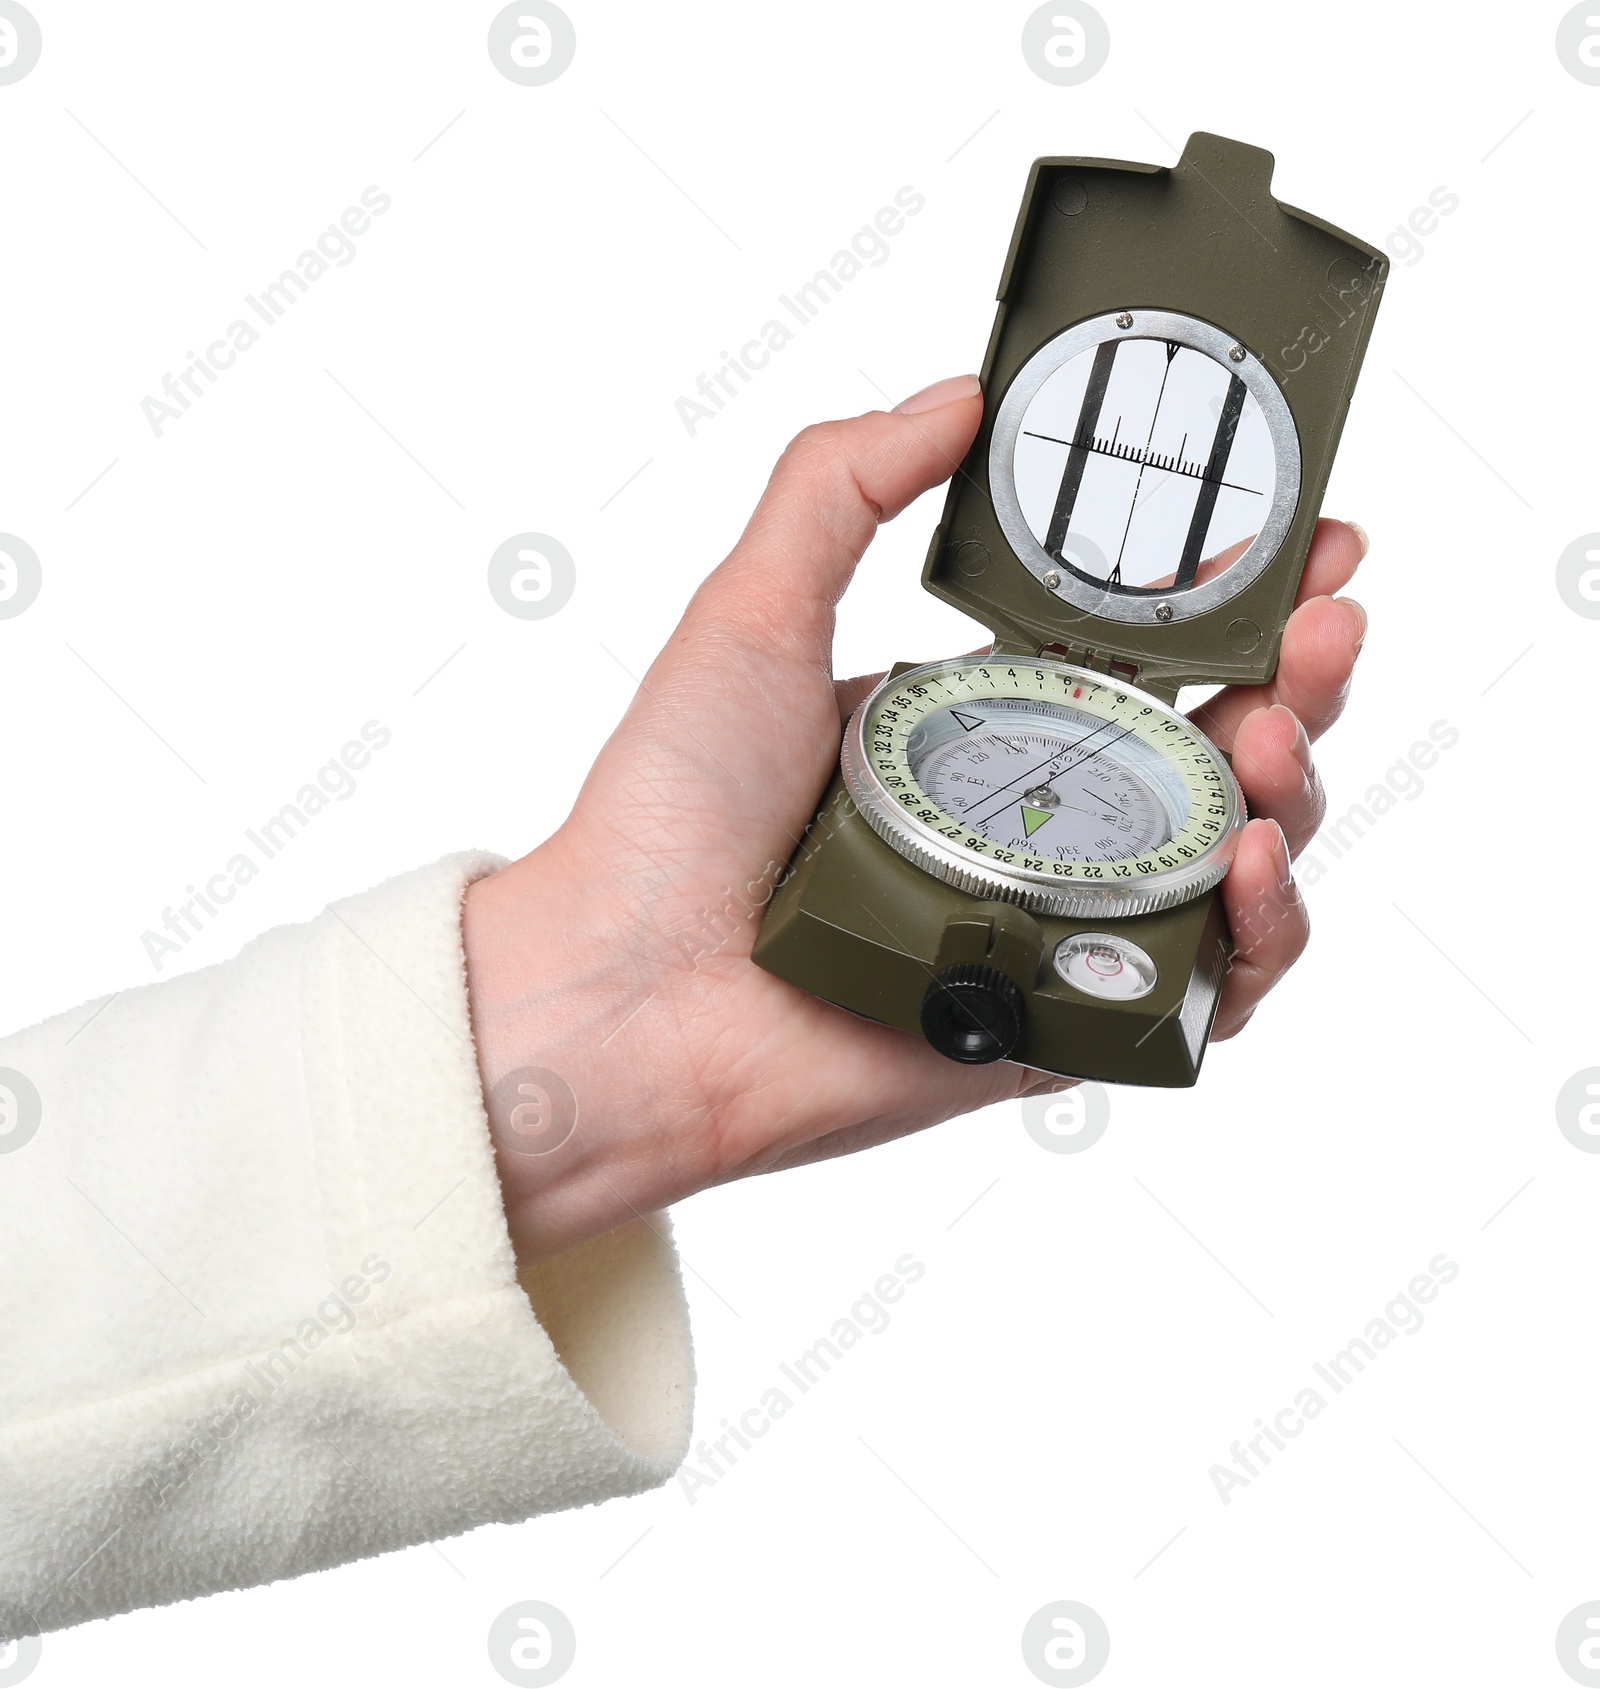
259,1312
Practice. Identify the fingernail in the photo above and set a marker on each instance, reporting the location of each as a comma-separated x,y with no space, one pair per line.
1361,620
1301,744
1360,533
1281,862
944,392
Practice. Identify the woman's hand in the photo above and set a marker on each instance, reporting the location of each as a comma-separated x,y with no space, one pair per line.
688,1064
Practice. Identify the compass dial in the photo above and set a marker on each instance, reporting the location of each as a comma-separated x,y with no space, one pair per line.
1043,784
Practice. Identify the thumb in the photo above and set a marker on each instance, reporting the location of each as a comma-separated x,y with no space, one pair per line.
746,741
831,488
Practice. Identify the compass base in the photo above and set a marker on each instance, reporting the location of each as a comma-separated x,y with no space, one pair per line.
859,926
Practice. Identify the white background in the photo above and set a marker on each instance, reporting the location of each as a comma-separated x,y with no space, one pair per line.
275,570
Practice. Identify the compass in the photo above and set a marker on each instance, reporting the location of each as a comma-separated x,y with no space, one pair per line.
1018,858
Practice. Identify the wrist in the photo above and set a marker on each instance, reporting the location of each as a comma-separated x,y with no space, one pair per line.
577,1108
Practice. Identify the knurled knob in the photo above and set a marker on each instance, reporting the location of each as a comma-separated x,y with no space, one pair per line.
973,1013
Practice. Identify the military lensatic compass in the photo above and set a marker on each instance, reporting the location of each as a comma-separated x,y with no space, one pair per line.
1020,853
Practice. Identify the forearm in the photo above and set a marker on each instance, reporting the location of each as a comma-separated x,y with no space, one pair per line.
262,1315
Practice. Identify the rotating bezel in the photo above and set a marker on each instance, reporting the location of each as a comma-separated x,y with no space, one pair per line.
1054,891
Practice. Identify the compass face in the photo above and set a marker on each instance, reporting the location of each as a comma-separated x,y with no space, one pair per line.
1045,784
1144,465
1027,771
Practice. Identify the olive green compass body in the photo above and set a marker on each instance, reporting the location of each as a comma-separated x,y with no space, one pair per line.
1019,856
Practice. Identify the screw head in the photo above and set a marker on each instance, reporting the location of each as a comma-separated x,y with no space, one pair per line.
1163,612
1052,579
1236,353
1124,319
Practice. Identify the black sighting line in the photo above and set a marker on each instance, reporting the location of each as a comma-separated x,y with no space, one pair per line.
1131,454
1115,577
1011,786
1205,503
1094,396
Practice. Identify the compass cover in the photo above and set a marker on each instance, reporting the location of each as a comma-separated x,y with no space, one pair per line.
1164,389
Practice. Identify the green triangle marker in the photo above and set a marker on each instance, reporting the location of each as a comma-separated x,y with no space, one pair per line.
1034,819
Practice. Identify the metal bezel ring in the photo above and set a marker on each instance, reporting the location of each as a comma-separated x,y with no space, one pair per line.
1042,893
1142,608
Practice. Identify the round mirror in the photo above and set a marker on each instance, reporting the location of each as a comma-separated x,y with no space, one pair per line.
1144,466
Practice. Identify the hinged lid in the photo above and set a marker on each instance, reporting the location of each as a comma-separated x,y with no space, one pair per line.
1164,389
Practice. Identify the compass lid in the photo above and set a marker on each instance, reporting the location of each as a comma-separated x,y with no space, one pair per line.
1164,389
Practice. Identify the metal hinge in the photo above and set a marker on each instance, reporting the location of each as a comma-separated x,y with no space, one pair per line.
1086,657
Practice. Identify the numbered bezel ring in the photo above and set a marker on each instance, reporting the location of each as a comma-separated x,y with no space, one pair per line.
921,844
1144,607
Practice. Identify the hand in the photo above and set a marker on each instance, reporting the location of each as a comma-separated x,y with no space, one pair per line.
617,954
